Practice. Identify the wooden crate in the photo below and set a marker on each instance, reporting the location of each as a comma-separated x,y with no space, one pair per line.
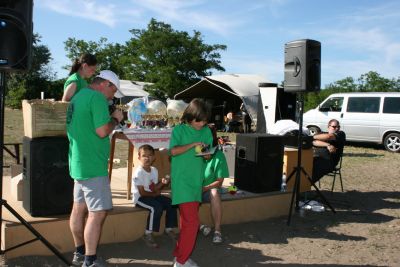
44,117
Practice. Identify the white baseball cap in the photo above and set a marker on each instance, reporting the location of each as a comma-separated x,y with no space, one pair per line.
113,78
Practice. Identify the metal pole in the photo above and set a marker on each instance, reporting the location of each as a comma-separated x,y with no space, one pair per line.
2,97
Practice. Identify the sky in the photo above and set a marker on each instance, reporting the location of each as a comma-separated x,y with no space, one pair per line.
357,36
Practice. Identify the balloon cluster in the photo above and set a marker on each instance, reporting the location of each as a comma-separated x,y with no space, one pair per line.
155,113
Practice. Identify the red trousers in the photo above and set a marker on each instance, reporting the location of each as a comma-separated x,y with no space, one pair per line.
189,227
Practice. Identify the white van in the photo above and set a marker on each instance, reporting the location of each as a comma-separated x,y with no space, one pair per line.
364,117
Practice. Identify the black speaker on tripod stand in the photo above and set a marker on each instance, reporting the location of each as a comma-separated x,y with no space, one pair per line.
302,66
302,74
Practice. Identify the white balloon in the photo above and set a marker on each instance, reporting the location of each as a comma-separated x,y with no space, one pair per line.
175,108
156,107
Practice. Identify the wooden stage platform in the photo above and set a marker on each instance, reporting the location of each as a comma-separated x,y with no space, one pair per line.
125,222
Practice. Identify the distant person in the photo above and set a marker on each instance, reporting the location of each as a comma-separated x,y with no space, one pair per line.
83,68
187,175
328,149
146,192
246,119
88,127
231,124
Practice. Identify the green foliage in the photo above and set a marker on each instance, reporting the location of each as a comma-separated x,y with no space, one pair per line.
28,85
171,60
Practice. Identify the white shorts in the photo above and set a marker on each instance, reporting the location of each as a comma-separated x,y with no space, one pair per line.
95,192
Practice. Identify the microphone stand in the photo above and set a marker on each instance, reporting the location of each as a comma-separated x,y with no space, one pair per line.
299,169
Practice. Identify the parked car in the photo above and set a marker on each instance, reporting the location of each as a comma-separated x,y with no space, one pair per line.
364,117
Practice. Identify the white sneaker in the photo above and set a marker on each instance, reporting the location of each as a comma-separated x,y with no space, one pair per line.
217,238
205,229
188,263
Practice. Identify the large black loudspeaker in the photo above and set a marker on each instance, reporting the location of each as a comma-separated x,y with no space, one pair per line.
302,66
259,162
15,34
48,187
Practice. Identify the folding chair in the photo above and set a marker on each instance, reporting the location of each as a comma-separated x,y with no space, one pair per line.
336,171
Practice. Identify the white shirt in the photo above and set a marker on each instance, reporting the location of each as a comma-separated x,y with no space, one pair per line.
141,177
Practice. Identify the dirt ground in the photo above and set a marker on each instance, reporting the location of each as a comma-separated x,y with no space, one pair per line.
364,231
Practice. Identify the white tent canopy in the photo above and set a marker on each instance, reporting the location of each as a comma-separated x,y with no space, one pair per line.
133,88
244,86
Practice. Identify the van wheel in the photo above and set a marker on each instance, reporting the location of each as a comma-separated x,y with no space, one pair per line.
392,142
314,130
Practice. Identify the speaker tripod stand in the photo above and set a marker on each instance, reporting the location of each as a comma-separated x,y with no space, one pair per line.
4,202
298,170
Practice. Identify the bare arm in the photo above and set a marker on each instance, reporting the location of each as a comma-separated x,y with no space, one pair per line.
144,193
177,150
328,146
107,128
216,184
325,136
162,184
69,92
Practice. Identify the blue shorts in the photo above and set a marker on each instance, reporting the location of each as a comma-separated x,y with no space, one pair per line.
95,192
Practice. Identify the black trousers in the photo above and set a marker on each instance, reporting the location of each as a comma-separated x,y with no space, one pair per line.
321,167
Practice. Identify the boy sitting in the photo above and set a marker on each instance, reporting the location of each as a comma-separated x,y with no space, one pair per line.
146,192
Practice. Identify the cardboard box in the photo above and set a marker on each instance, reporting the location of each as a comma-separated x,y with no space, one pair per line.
44,117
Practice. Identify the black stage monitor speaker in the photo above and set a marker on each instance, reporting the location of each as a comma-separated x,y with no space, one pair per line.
48,188
15,34
302,66
259,162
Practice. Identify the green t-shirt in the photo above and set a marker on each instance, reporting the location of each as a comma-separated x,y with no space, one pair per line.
187,170
216,168
78,80
88,153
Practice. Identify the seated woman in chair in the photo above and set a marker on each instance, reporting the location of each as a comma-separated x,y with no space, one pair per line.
328,149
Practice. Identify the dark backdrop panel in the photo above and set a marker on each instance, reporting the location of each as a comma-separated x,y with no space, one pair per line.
48,188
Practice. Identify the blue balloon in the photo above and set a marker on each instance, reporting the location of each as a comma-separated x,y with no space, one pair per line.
137,110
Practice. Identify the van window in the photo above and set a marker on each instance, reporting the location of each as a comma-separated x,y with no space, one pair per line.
332,104
363,104
391,105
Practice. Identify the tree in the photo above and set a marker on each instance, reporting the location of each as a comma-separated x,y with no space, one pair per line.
171,60
372,82
38,79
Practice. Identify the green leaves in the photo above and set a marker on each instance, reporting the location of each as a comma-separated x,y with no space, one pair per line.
171,60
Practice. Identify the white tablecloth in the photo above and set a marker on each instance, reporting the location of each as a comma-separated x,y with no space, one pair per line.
157,138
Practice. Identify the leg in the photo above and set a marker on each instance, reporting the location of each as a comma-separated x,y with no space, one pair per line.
320,168
171,220
78,215
93,228
155,209
189,225
97,194
77,222
216,208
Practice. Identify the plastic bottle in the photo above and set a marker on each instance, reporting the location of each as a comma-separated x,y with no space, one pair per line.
283,185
